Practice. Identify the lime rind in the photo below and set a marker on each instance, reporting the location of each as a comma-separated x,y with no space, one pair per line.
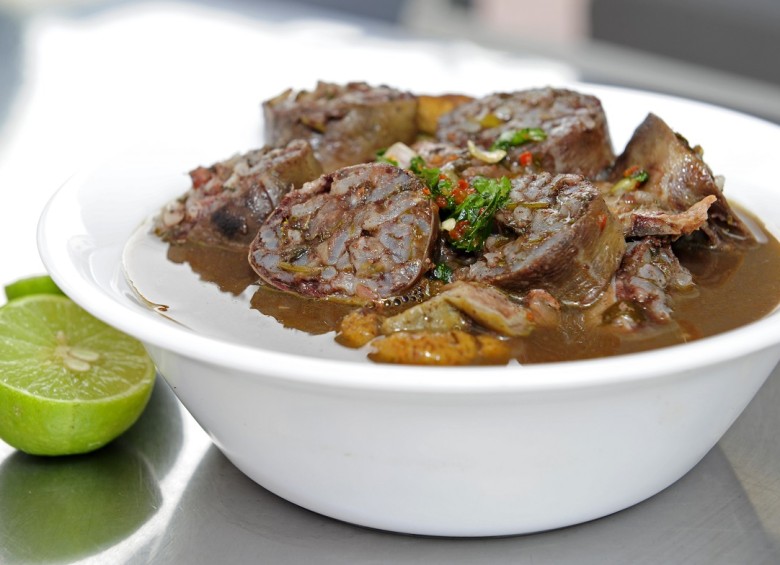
39,284
67,428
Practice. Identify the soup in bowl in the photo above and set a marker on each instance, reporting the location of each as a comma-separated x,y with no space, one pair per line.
505,445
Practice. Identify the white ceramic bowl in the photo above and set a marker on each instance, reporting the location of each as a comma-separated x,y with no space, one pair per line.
443,451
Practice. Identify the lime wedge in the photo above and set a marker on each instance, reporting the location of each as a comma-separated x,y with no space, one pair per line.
40,284
68,382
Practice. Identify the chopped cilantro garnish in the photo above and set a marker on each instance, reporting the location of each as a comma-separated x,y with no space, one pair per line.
474,216
442,272
513,138
472,208
639,176
439,185
429,175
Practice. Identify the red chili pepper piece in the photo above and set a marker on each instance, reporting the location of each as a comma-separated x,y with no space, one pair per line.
459,230
630,171
462,191
602,222
200,176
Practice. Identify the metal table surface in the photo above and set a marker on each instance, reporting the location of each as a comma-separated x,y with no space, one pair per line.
72,83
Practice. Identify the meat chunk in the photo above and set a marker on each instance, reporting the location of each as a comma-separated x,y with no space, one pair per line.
229,200
346,124
576,135
361,233
558,235
434,315
678,181
642,289
644,221
459,307
543,309
649,269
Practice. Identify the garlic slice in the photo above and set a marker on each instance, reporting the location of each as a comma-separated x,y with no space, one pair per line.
487,156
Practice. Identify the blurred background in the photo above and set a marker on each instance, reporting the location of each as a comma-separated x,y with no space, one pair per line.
79,78
723,51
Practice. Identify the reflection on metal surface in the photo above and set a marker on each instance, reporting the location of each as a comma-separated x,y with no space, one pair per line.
106,505
67,508
164,493
692,521
159,434
752,446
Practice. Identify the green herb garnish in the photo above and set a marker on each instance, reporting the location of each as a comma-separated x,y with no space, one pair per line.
471,221
474,216
442,272
439,185
429,175
633,178
514,138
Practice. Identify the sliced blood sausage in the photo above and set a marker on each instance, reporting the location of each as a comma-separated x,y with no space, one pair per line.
346,124
577,137
677,180
364,232
558,235
229,200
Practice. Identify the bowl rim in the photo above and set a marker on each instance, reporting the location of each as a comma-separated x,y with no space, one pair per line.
283,367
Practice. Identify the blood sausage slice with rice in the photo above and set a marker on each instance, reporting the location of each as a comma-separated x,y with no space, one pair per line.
361,233
346,124
229,200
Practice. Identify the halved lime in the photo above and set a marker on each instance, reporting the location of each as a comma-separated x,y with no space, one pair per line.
69,383
39,284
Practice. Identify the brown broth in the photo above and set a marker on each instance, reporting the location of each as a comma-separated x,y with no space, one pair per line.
226,268
733,288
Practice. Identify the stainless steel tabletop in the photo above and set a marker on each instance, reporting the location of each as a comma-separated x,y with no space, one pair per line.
74,81
163,493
